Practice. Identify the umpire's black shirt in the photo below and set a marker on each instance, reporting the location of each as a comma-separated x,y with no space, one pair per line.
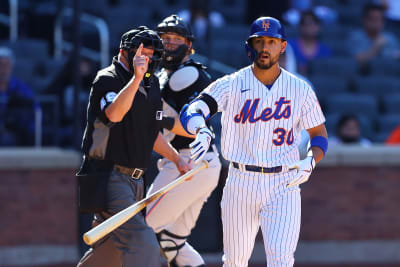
129,142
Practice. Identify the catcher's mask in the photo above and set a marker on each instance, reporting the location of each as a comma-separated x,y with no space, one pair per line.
131,40
176,25
264,26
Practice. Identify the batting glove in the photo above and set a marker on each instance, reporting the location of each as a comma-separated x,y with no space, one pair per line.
201,144
303,168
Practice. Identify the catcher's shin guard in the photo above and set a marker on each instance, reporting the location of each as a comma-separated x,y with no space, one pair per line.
168,245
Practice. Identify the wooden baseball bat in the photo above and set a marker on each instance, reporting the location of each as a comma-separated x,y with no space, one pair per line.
124,215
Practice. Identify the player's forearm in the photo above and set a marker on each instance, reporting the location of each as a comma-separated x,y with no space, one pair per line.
319,142
178,129
162,147
123,101
317,153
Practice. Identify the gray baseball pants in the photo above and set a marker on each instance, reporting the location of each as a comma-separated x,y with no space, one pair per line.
131,244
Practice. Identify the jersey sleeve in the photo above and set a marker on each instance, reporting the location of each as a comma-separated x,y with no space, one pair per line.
102,95
311,112
219,90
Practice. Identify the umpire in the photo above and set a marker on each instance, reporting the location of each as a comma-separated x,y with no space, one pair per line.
124,118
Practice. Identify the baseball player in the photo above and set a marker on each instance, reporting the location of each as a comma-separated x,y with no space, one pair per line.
174,215
264,108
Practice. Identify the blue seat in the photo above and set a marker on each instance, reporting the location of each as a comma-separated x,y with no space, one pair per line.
360,104
338,66
339,47
34,49
325,86
385,66
349,14
234,33
391,103
24,70
366,124
331,31
377,85
230,53
387,122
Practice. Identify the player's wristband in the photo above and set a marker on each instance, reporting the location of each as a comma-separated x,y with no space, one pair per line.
321,142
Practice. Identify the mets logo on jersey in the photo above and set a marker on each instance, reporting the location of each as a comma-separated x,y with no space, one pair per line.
249,111
265,25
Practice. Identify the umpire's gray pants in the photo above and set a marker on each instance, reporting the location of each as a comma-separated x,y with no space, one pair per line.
131,244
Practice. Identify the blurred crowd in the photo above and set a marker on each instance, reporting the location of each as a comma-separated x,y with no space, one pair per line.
349,51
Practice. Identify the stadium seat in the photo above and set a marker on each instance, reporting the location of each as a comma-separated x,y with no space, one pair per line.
377,85
385,66
33,49
118,26
325,86
24,70
349,14
331,31
37,74
230,53
386,124
234,33
233,11
367,125
339,47
339,66
360,104
391,104
380,137
50,119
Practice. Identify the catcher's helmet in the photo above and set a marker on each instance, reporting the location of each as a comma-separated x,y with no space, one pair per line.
264,26
175,24
132,39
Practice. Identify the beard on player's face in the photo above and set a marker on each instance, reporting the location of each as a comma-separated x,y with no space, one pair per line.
265,61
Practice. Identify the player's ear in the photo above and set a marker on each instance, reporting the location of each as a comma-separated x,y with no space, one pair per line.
190,44
283,47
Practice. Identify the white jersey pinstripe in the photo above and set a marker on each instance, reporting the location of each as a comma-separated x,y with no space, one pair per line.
261,127
251,141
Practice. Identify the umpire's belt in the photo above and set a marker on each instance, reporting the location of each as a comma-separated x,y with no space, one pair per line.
135,173
253,168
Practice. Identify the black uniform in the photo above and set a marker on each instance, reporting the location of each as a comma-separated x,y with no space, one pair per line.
130,142
116,155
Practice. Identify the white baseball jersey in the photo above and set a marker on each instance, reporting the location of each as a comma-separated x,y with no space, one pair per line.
262,126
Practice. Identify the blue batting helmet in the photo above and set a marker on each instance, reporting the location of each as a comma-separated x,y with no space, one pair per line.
264,26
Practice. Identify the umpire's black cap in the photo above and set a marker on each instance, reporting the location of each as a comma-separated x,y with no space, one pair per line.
133,38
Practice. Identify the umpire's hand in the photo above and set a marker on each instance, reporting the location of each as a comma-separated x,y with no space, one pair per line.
140,63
